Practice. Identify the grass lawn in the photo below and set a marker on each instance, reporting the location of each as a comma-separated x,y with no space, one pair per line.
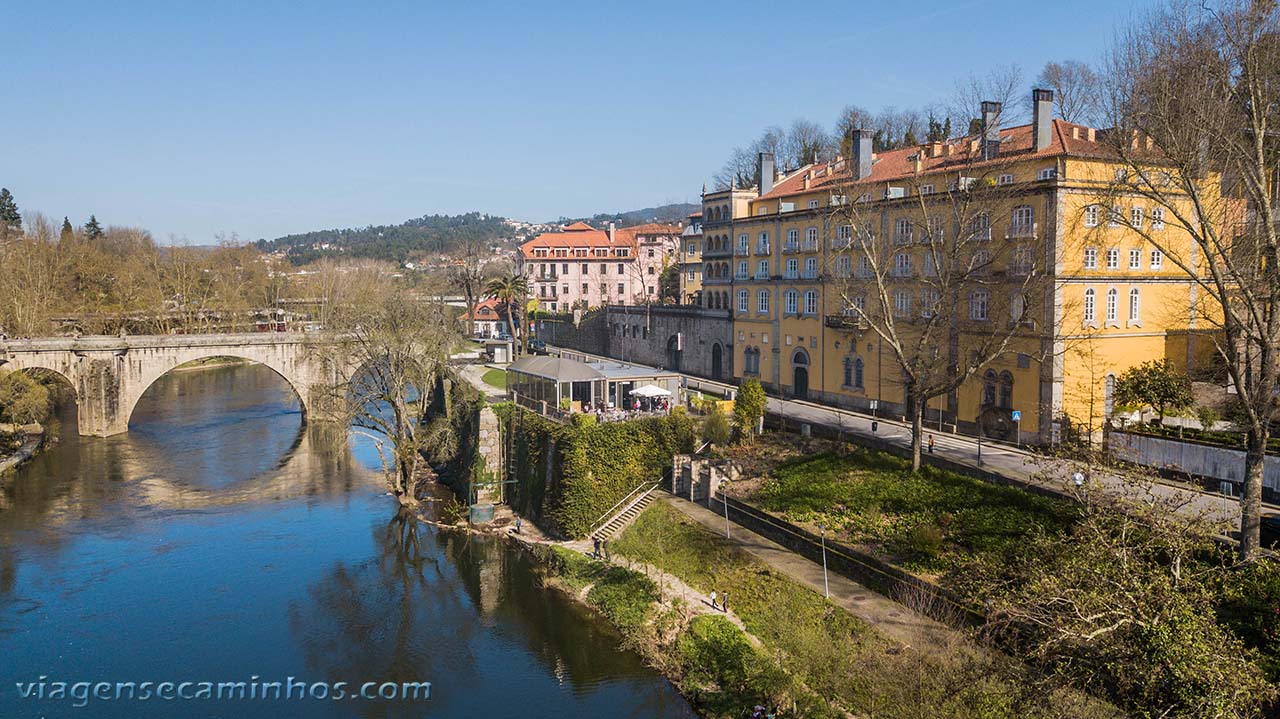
495,378
834,653
933,522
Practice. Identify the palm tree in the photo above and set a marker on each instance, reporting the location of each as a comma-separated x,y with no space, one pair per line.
511,290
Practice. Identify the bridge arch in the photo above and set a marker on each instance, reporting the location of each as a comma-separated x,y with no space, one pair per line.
156,371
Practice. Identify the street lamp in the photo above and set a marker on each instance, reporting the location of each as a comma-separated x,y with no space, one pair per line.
724,499
826,588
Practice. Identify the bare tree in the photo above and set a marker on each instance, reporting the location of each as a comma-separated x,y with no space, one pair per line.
806,143
1194,94
1002,84
927,280
1077,90
468,276
740,170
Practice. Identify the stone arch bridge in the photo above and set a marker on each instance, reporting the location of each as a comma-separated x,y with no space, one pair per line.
110,374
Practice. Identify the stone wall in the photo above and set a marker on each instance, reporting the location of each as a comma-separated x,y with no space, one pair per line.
489,450
685,338
1200,460
582,331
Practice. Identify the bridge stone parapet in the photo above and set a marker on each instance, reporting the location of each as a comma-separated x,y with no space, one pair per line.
110,374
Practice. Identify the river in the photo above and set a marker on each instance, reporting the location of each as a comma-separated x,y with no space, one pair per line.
220,541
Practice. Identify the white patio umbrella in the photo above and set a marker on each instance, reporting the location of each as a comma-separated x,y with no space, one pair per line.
650,390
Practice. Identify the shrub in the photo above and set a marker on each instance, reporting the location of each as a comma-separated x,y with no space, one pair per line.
748,409
1207,416
716,429
926,540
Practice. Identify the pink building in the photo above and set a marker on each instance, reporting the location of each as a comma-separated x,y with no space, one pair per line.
581,266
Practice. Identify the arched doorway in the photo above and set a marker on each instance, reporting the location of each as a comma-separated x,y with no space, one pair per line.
673,353
800,374
717,361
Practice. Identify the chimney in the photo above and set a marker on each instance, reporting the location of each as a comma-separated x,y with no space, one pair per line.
611,233
1042,116
1075,132
860,144
935,149
990,129
1091,134
766,172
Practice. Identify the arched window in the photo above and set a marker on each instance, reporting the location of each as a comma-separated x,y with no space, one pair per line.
1135,305
857,373
1090,309
1006,390
1113,299
811,238
1017,308
793,302
800,358
989,388
848,372
811,302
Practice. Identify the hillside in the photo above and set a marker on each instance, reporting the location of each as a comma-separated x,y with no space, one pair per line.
413,239
675,212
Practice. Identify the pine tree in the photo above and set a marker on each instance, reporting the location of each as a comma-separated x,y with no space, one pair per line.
92,230
10,219
68,233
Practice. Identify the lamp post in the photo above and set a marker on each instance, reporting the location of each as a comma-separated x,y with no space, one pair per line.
826,587
724,499
979,439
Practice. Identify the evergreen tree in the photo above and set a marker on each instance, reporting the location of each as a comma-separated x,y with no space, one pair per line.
92,230
10,219
68,233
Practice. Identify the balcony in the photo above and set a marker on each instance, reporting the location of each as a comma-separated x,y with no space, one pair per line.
762,248
709,251
742,276
809,246
845,322
791,275
742,251
809,275
762,276
790,247
1025,230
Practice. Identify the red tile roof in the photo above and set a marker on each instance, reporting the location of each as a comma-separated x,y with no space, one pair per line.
580,235
1017,144
486,309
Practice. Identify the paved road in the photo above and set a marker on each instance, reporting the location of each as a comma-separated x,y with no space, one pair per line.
1005,460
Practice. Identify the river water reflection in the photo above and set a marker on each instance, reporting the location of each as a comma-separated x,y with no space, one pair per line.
220,541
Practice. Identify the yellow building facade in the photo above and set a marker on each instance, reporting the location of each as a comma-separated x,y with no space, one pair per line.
1069,279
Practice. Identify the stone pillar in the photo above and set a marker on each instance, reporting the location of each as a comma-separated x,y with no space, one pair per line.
489,448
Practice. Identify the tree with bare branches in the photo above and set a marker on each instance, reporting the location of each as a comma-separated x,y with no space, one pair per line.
1194,95
1077,90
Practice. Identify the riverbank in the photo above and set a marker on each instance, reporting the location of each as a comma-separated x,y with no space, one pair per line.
32,440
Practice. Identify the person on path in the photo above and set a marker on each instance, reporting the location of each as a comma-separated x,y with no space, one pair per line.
724,602
930,444
517,525
605,544
713,599
596,552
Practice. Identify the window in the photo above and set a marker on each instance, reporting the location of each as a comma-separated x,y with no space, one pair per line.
1089,305
979,301
564,289
1113,298
1024,221
1136,217
1047,173
1122,175
650,252
981,262
902,231
848,372
743,241
1091,216
650,269
930,265
793,239
858,306
844,233
981,226
930,300
811,302
762,270
564,269
1091,258
742,270
584,288
1135,305
622,269
844,266
864,266
762,244
621,288
693,248
1113,259
1005,179
864,197
1017,308
857,373
1024,260
742,300
813,204
762,302
689,275
926,189
902,264
811,268
585,269
1157,260
1115,218
762,210
1135,259
937,229
811,238
622,252
902,303
1157,218
792,299
793,269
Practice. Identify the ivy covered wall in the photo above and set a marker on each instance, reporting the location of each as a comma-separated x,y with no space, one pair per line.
568,475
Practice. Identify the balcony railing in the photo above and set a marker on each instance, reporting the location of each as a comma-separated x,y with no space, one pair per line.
791,247
790,275
845,322
742,276
809,275
762,275
762,248
1022,230
810,246
742,251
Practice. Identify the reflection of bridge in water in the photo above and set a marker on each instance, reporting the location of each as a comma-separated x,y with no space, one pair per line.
110,374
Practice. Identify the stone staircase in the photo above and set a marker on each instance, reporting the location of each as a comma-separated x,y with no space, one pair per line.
613,527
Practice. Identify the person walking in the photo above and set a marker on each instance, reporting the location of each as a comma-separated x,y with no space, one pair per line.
713,599
605,544
724,602
930,444
596,552
517,525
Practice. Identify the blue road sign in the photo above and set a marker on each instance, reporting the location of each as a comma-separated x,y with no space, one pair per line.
1017,416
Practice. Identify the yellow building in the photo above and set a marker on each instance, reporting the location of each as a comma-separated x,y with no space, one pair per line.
1067,279
689,260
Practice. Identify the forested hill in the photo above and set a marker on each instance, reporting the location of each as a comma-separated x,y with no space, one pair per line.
674,212
429,234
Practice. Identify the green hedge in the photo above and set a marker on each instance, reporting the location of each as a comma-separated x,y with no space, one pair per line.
568,475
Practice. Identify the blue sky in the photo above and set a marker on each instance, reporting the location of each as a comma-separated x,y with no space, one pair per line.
262,118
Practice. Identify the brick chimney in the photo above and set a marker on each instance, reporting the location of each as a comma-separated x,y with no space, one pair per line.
860,162
611,228
1042,117
766,171
990,129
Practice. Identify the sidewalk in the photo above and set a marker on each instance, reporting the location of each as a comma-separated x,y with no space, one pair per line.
888,617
